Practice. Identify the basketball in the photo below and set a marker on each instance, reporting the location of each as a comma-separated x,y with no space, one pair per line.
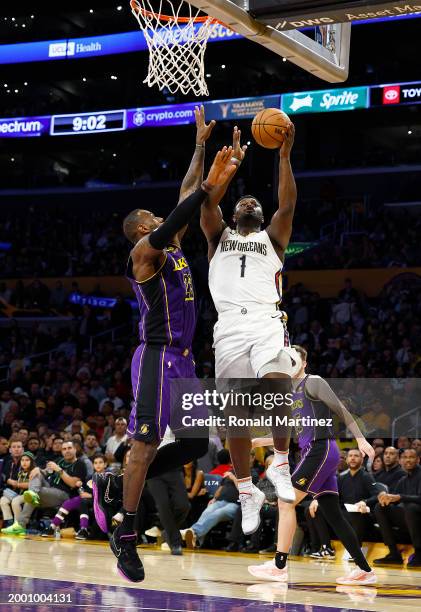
268,128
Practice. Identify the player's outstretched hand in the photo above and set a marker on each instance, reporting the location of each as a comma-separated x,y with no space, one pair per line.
239,151
223,167
365,448
289,140
203,130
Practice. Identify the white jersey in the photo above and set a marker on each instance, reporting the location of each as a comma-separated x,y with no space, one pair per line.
245,271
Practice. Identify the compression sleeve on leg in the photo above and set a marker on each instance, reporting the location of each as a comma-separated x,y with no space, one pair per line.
178,218
329,504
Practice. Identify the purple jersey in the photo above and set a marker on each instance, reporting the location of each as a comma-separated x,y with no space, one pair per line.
166,302
304,406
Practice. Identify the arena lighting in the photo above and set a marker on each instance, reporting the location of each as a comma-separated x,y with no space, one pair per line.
409,132
119,8
84,79
26,83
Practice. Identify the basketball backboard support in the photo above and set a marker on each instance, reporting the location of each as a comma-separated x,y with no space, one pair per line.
331,65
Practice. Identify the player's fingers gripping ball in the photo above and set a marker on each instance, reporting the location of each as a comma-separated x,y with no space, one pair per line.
269,128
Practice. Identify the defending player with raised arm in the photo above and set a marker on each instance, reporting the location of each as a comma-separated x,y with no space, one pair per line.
108,488
315,474
250,336
162,282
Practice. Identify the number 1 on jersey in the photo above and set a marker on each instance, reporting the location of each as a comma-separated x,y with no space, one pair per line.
243,265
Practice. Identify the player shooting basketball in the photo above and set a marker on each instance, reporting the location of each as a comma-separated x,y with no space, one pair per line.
250,337
161,280
315,474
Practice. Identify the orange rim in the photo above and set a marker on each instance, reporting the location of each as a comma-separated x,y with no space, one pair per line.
135,6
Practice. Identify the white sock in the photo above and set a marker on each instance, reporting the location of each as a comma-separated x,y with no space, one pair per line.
245,485
281,458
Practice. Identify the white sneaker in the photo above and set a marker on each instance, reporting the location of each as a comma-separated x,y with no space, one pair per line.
250,510
280,477
153,532
189,537
269,571
165,546
358,576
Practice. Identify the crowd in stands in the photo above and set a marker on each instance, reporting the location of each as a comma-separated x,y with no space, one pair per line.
46,484
78,245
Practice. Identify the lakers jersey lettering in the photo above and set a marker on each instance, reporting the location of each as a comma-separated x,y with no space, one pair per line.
245,271
180,264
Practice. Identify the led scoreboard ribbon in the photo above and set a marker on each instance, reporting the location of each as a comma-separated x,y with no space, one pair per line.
88,123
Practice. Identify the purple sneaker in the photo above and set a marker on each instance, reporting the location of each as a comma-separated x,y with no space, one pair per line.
101,484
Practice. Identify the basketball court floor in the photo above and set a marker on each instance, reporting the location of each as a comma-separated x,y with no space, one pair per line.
71,575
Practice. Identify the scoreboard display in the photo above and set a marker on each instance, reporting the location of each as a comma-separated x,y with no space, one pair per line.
291,14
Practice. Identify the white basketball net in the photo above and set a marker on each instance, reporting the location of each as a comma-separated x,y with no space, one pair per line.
176,49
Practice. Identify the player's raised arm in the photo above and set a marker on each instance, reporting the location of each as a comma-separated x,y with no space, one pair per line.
280,227
147,254
211,219
318,389
194,175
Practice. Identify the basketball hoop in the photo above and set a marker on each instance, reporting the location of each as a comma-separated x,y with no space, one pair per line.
177,40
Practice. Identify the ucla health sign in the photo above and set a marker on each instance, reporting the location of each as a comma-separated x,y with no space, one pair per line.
79,48
325,101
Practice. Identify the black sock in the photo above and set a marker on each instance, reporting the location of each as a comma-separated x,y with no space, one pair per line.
329,505
281,560
127,526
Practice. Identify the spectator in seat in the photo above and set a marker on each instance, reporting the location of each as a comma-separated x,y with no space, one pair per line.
12,501
403,443
80,453
377,465
321,546
224,463
112,397
119,437
82,503
11,463
50,490
402,509
196,491
223,507
392,471
92,447
357,486
417,445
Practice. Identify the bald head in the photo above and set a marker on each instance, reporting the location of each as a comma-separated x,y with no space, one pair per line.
390,457
139,223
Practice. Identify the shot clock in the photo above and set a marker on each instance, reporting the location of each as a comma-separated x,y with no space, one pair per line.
88,123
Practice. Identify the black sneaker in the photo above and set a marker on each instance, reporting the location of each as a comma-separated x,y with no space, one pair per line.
49,532
177,551
232,547
268,550
124,548
414,561
390,559
317,554
101,488
82,534
327,552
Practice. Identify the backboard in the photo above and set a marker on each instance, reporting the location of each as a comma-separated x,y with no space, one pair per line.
274,24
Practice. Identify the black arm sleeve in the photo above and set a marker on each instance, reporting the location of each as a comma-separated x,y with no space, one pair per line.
179,217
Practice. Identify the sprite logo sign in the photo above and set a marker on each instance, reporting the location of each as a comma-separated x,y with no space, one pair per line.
325,101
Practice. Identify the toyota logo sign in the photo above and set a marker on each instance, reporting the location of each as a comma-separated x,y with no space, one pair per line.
391,94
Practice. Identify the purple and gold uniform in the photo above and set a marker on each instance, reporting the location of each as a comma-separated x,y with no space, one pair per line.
166,328
316,471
